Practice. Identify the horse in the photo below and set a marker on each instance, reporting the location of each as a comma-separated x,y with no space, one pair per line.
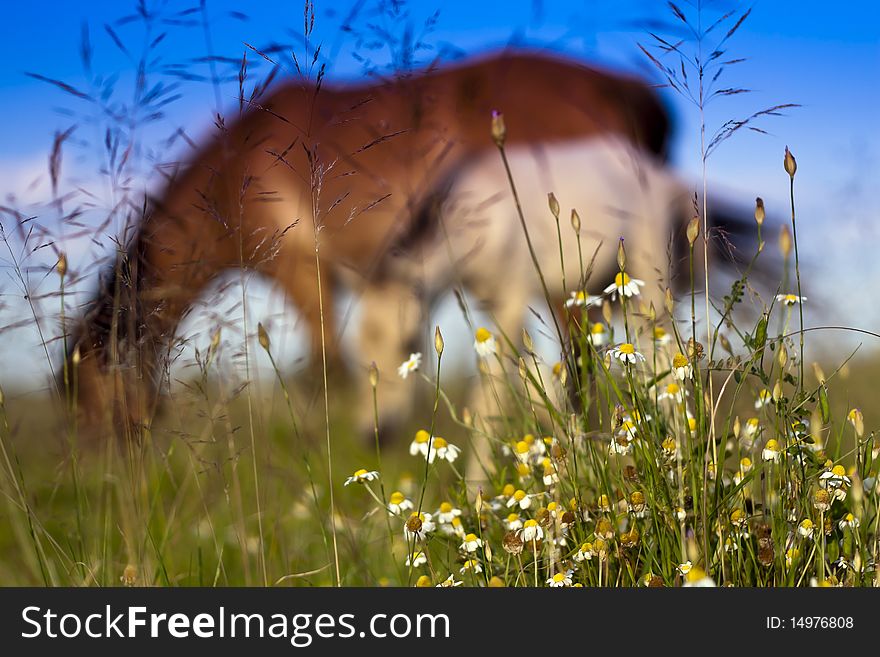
318,184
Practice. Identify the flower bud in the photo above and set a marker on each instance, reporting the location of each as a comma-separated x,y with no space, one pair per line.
575,221
554,204
759,211
499,130
263,337
61,267
790,163
785,241
527,341
374,374
693,230
438,341
621,255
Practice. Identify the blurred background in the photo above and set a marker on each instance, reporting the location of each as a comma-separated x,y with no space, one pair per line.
824,58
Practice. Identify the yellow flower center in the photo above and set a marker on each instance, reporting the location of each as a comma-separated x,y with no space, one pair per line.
482,334
397,497
423,581
692,423
530,523
519,495
508,490
745,463
669,444
772,445
522,469
360,473
597,328
790,298
422,436
838,471
522,447
637,498
621,279
753,422
559,577
627,348
551,506
679,360
849,517
557,369
513,517
807,524
446,507
470,538
673,389
737,516
659,333
529,439
440,443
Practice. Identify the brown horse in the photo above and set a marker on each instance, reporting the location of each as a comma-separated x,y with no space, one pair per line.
350,171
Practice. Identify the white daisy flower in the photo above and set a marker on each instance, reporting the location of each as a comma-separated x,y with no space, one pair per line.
581,299
697,578
361,477
751,428
849,521
471,565
398,503
624,286
440,449
681,367
447,513
484,343
806,528
598,334
531,531
834,478
764,398
584,553
560,579
471,543
419,445
449,582
790,299
772,451
673,392
416,559
626,353
685,568
521,498
513,522
409,365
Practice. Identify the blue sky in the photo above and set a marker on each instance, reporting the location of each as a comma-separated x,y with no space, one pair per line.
824,57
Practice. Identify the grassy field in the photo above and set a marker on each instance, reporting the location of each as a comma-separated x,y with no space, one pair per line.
669,446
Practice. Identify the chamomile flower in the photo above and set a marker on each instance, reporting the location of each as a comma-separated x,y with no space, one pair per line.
447,513
764,397
471,565
624,286
673,392
636,504
696,577
551,476
416,559
520,498
791,555
419,445
670,448
584,553
581,299
751,428
789,299
834,478
471,543
513,522
598,335
449,582
620,445
560,579
418,525
661,336
411,364
745,466
626,353
849,521
685,568
484,343
531,531
681,367
772,451
398,503
440,449
453,528
361,477
806,528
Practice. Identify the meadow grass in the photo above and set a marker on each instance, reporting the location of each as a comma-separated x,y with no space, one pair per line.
666,447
